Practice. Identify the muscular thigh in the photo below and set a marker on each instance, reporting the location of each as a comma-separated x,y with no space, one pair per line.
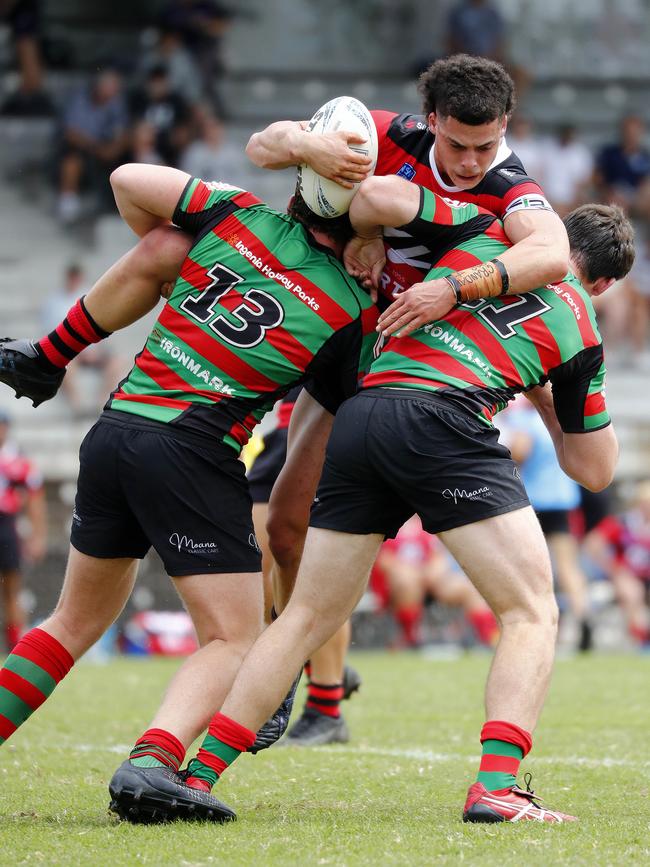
505,557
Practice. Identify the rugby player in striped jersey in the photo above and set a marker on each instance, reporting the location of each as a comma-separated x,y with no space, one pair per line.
262,304
456,147
419,438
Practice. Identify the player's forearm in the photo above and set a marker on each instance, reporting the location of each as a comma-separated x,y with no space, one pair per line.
280,145
132,286
540,251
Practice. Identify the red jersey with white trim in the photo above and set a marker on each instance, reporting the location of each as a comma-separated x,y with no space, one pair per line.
406,148
629,538
17,476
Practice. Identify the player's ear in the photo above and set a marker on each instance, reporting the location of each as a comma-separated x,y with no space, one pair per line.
504,126
431,120
601,285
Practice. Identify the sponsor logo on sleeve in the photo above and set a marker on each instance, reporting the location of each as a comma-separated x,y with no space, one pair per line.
531,202
407,172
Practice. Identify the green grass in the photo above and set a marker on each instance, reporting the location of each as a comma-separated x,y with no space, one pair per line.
372,802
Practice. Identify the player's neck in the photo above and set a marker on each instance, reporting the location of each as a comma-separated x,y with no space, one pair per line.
325,241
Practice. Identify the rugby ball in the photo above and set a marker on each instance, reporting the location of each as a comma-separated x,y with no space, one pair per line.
324,197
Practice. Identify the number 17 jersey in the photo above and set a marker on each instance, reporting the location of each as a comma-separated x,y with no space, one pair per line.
258,307
486,351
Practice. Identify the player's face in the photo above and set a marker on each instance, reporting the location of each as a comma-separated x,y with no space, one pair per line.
464,153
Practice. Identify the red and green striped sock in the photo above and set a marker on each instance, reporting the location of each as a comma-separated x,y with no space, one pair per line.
77,331
157,748
37,663
504,746
325,698
225,740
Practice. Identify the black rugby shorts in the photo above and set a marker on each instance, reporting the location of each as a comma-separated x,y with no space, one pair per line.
395,452
554,521
268,464
141,484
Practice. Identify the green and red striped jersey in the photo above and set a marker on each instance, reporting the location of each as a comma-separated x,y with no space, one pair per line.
484,352
258,307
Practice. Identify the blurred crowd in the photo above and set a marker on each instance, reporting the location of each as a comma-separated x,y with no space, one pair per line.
166,107
163,107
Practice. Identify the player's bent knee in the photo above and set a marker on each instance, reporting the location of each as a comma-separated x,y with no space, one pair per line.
284,543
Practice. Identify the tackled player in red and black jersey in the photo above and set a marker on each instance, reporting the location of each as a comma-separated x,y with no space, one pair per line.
407,148
456,148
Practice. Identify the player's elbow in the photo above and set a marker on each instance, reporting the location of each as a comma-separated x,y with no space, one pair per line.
255,152
122,176
372,192
597,480
594,474
557,265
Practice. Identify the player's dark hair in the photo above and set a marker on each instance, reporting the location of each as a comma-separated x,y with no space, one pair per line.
602,241
339,229
473,90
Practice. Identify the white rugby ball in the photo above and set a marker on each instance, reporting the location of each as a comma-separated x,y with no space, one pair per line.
324,197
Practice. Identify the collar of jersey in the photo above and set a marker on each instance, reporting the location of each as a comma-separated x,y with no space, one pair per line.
502,153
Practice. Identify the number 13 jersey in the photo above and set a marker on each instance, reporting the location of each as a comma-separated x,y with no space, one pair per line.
258,307
484,352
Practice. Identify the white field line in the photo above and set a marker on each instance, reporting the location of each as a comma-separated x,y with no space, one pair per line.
416,755
428,756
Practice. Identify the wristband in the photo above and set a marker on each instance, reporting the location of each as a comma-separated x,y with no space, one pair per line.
455,288
486,280
505,277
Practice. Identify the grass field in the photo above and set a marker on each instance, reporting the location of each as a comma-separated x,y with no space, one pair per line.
392,796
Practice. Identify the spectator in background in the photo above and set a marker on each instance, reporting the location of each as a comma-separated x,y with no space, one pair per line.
170,52
567,170
210,156
637,289
97,357
415,565
144,145
476,27
553,495
21,489
166,111
624,319
30,98
623,169
201,25
95,139
621,546
528,146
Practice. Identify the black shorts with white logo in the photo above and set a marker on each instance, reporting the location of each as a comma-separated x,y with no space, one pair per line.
267,466
554,521
9,544
394,452
142,484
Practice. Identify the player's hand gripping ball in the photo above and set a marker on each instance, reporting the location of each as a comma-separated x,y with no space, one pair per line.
344,114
